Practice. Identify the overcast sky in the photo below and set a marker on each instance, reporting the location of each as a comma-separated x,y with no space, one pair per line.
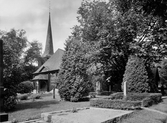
32,16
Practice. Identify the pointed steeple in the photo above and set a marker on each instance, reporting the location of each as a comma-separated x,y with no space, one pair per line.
49,42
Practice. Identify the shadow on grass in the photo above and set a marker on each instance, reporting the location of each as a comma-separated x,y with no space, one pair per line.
34,104
85,99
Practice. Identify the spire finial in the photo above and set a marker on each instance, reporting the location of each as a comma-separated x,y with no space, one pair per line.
49,42
49,6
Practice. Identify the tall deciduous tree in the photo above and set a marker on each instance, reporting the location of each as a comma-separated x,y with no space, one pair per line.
15,43
17,62
33,53
116,30
110,35
13,48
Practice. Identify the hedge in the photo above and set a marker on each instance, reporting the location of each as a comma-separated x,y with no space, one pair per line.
153,98
115,104
133,101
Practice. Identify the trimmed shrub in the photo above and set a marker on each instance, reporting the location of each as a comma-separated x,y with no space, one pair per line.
133,100
153,98
118,95
137,96
136,75
147,102
25,87
115,104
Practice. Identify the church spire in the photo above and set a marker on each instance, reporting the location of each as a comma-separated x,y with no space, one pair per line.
49,42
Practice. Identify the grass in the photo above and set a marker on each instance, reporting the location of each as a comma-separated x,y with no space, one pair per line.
161,106
145,116
28,110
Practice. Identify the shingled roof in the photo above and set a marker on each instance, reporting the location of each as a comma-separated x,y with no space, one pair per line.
40,77
52,64
49,41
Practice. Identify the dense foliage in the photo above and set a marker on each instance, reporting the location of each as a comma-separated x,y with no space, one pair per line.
25,87
18,66
163,76
111,32
136,75
73,77
163,70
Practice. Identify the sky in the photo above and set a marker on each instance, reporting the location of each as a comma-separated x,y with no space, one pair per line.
32,16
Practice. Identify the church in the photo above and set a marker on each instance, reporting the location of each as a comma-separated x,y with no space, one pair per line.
45,76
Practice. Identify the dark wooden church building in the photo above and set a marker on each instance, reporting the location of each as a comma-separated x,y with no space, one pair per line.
49,64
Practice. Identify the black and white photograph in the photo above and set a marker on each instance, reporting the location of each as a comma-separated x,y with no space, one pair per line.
83,61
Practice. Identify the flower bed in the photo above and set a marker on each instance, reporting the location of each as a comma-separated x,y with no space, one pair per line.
131,102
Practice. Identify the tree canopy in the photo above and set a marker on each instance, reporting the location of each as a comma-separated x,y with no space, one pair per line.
112,31
18,58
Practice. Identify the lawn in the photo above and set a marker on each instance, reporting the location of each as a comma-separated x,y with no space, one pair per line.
161,106
27,110
146,116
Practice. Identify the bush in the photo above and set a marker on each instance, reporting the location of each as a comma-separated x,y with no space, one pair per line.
22,97
115,104
137,96
76,90
136,75
147,102
130,96
153,98
10,99
9,103
133,100
25,87
73,78
115,96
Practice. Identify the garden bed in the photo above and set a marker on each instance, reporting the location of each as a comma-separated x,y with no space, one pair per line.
131,102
